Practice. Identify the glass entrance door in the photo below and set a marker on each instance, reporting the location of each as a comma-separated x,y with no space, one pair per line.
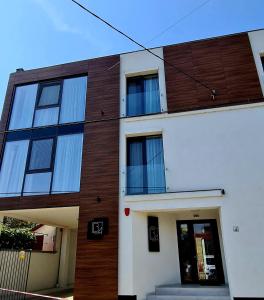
199,251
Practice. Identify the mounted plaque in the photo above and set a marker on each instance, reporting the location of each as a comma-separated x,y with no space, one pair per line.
153,234
97,228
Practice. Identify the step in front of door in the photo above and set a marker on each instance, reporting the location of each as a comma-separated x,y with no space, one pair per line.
178,292
192,291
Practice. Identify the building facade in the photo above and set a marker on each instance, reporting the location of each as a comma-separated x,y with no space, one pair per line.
167,179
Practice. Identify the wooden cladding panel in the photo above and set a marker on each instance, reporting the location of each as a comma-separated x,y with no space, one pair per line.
225,64
96,261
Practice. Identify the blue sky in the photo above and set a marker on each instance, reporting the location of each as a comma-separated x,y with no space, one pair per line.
38,33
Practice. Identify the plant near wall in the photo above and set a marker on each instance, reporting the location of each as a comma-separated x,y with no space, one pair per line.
16,223
16,238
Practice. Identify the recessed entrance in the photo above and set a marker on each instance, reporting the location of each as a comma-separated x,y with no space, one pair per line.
199,252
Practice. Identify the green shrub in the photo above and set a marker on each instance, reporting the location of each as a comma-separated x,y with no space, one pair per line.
16,238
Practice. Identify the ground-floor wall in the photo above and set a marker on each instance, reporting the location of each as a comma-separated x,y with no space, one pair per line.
240,236
243,238
163,267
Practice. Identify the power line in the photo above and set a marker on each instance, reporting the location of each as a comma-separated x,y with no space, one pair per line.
179,20
213,92
86,122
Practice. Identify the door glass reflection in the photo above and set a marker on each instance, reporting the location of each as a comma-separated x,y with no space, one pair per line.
187,253
205,251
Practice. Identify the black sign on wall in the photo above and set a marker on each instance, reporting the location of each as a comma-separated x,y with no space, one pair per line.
153,234
97,228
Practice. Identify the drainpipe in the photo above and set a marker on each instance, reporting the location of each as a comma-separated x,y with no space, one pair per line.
58,274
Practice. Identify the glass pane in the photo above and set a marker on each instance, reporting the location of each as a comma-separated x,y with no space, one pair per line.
135,169
23,107
143,95
67,169
205,251
135,96
186,253
145,166
37,184
49,95
46,116
155,165
41,154
13,168
73,100
151,93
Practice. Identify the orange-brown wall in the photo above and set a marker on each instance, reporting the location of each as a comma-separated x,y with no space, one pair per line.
225,64
96,265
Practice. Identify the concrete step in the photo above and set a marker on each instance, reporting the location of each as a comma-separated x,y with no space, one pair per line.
192,291
185,297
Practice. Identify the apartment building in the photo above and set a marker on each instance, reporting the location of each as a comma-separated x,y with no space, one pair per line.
159,181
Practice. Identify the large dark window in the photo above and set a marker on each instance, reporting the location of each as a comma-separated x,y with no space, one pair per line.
49,103
145,165
143,95
46,161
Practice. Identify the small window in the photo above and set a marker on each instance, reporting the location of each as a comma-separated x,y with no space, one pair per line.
143,95
262,60
145,165
40,157
49,94
37,184
46,116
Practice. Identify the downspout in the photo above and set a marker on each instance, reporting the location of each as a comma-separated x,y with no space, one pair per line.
58,274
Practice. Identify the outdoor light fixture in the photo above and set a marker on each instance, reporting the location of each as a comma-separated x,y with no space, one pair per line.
127,211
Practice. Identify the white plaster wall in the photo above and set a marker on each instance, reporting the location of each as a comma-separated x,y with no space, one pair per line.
154,268
219,148
157,268
145,64
43,270
209,149
257,44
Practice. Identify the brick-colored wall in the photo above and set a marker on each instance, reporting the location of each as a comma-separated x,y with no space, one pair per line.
225,64
97,261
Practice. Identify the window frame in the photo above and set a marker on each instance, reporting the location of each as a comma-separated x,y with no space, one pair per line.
50,132
44,84
142,139
142,91
41,85
44,170
41,170
37,132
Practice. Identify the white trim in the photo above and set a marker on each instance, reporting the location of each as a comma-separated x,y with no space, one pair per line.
167,115
257,45
173,196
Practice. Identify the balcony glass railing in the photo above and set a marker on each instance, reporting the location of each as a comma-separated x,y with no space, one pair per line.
145,179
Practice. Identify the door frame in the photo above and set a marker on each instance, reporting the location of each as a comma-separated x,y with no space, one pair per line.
218,254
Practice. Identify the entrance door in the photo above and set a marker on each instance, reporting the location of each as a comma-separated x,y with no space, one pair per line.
199,252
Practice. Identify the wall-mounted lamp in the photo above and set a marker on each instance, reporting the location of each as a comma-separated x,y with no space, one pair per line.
127,211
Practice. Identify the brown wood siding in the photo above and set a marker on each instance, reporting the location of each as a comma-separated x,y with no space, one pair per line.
225,64
96,261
